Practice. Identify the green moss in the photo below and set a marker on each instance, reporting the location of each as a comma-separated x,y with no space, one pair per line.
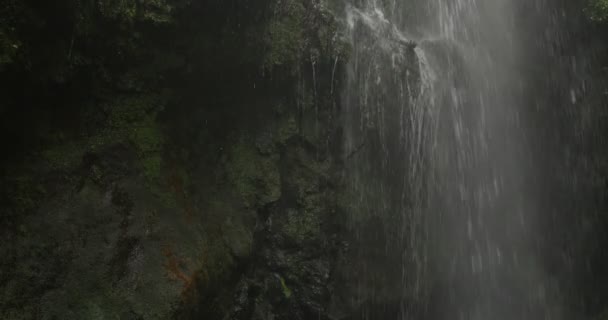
302,225
131,120
597,10
25,193
133,110
152,167
136,122
148,137
307,173
297,34
64,155
255,177
155,11
8,48
101,141
285,36
148,140
286,291
287,129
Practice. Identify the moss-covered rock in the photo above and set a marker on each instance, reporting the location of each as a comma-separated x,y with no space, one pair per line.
155,11
150,190
118,250
255,176
130,120
285,36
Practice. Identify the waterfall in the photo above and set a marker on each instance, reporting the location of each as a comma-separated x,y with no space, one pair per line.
437,149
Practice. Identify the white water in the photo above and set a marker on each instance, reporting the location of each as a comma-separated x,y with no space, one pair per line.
445,156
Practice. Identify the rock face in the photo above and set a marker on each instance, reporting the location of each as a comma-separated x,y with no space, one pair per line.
186,184
179,159
119,256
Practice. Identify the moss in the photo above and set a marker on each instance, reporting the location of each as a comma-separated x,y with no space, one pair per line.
25,193
142,284
215,262
255,177
286,129
154,11
65,155
157,11
302,225
298,33
101,302
152,167
307,173
286,291
147,137
8,48
97,174
10,44
131,120
148,141
285,36
597,10
134,119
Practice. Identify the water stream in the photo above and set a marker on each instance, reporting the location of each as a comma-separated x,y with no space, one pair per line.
440,146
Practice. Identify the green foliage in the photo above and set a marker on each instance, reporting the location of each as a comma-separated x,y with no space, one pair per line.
598,10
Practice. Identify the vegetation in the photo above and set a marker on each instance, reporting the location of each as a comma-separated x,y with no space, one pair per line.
157,99
159,153
598,10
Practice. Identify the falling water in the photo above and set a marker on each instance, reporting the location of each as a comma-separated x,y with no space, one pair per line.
437,144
